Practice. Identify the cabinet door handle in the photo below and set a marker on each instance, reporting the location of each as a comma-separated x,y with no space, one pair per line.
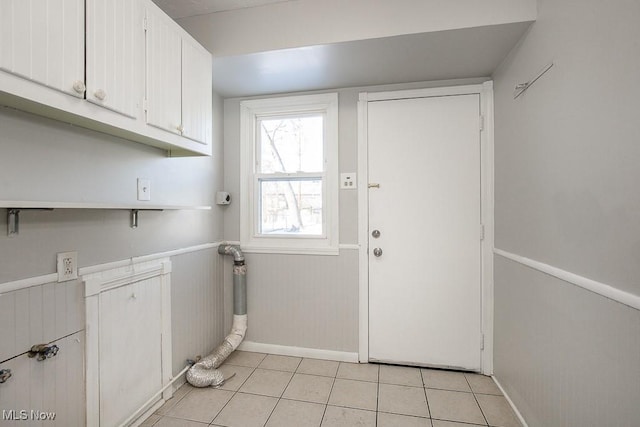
100,94
43,351
5,374
79,86
180,128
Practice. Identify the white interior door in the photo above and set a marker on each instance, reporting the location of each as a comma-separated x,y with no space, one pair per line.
425,285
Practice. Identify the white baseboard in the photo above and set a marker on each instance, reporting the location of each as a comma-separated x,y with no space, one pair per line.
312,353
513,406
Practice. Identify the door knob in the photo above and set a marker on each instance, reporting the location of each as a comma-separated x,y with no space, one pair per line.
375,234
377,252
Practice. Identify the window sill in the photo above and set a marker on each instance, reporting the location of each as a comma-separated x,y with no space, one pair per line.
290,251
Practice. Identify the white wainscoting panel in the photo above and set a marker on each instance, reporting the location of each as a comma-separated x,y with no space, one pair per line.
128,325
39,314
307,301
40,388
565,355
196,305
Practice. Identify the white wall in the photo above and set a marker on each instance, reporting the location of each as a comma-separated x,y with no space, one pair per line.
310,22
567,156
304,300
41,159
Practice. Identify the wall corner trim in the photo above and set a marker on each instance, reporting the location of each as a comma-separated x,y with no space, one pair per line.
601,289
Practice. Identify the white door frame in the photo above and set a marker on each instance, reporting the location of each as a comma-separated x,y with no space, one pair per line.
485,90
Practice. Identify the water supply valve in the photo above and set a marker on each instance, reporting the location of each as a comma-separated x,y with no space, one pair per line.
43,351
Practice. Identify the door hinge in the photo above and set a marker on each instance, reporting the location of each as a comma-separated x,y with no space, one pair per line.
481,123
482,342
481,231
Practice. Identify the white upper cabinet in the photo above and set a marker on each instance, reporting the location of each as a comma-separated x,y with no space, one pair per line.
164,71
151,85
43,41
196,92
179,85
115,55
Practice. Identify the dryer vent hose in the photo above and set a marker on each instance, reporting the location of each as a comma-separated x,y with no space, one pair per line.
205,372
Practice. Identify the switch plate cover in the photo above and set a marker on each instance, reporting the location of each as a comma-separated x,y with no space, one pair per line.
144,189
348,181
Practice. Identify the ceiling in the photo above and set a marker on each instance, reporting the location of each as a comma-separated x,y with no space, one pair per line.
184,8
437,55
456,54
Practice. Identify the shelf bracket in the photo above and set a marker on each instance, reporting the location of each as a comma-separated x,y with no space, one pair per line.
13,219
134,215
134,218
13,222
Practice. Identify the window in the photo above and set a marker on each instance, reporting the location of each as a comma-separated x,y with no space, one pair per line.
289,152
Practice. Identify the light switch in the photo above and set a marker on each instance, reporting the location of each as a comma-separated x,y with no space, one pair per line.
144,189
348,181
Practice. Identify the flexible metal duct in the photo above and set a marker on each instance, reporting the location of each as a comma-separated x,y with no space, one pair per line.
205,372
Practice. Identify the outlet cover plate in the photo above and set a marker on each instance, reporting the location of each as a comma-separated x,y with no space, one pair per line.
67,266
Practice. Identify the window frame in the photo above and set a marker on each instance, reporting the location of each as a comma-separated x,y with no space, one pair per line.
250,178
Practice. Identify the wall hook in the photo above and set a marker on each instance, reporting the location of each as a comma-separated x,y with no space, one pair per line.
522,87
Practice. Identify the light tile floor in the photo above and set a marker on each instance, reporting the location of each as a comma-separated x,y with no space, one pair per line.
281,391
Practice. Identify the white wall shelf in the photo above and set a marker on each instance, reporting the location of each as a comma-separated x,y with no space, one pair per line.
15,206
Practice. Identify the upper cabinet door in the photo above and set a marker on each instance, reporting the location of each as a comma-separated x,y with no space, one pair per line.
196,92
43,41
115,55
164,89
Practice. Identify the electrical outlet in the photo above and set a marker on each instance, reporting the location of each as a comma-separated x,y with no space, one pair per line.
67,266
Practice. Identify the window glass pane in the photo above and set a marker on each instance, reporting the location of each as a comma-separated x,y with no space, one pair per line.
291,207
291,144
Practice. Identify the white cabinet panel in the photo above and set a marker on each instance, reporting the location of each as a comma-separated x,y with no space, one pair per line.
130,340
164,71
43,41
39,315
128,325
52,386
179,81
115,55
196,92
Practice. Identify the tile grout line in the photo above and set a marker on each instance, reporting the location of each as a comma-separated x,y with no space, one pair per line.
326,406
476,400
378,395
293,374
424,385
235,392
